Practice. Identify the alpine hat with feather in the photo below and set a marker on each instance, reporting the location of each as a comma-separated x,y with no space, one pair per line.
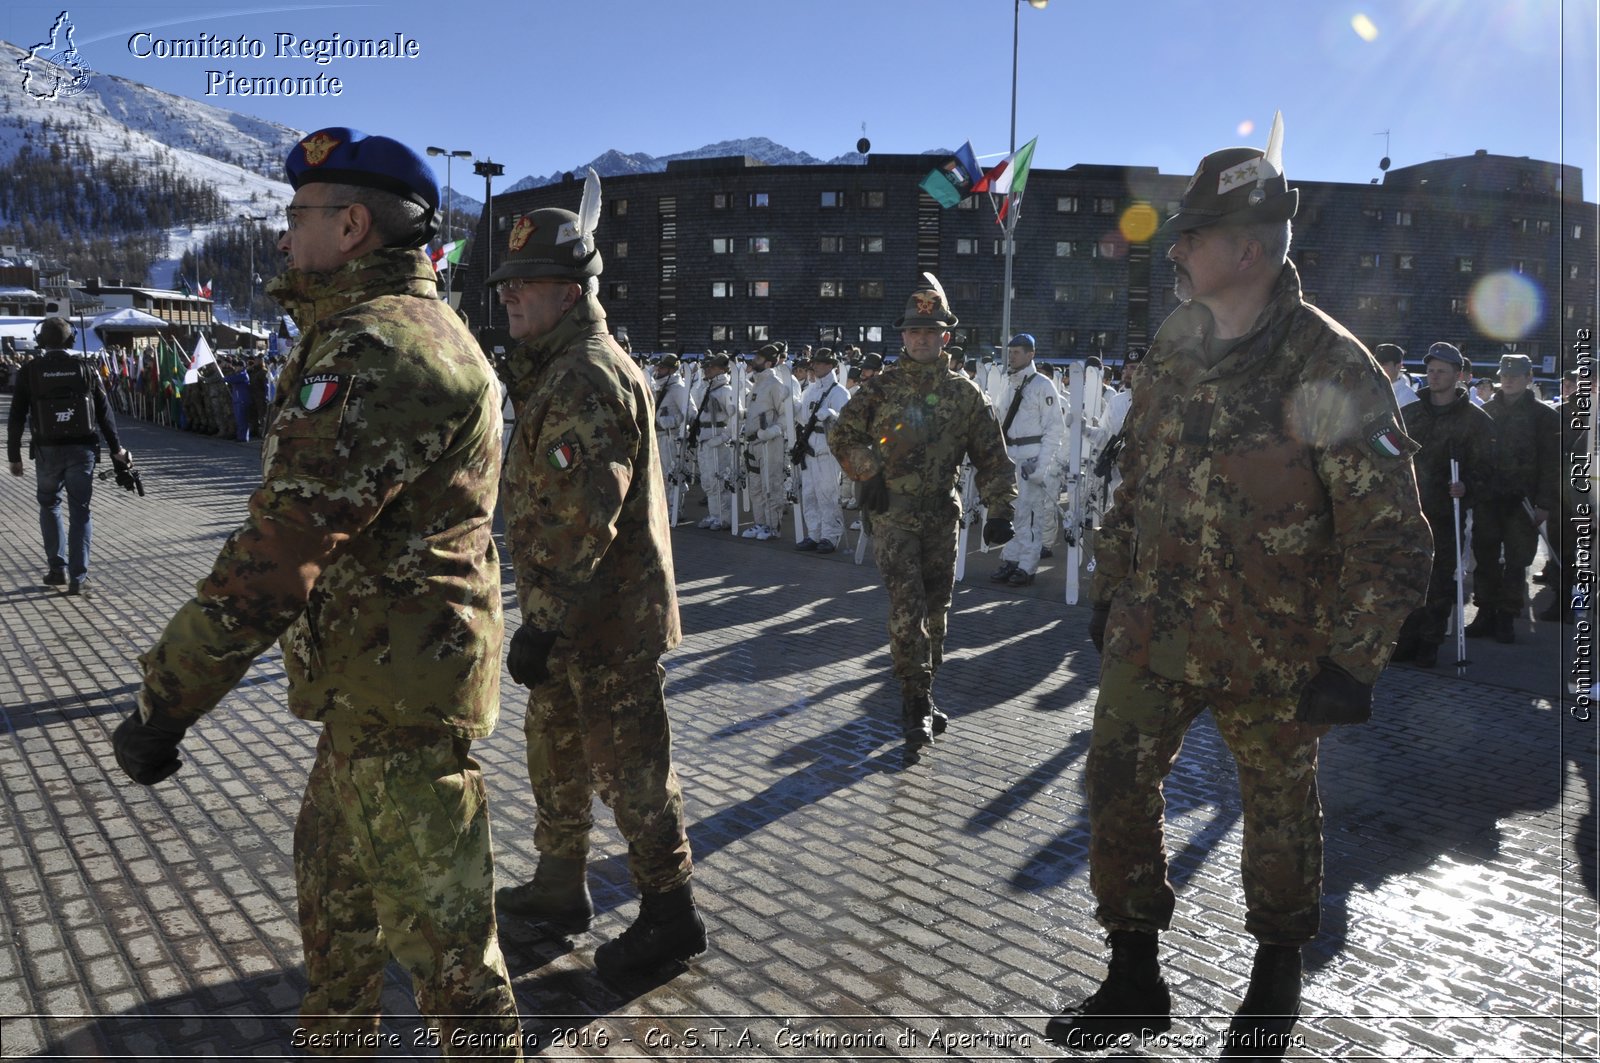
928,307
551,242
1238,186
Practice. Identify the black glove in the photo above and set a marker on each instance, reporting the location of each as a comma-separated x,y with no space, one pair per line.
123,459
874,495
1097,626
147,752
1334,696
529,658
997,531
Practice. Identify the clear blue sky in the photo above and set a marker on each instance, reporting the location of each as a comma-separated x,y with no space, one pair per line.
540,85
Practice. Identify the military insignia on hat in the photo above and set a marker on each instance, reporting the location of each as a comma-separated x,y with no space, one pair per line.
565,454
317,148
567,233
1234,176
520,233
318,392
1387,441
926,302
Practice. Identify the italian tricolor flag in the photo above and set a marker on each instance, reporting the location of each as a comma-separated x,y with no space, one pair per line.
1008,178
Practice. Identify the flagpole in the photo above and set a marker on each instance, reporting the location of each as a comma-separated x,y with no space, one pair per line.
1010,225
449,157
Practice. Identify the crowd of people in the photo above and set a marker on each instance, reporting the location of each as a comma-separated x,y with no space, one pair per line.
1262,553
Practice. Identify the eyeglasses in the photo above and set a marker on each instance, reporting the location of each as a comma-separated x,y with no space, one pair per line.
513,285
292,212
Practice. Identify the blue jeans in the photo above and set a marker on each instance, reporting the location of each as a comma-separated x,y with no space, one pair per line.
72,467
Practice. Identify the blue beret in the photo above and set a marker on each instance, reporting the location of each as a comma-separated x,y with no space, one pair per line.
1021,339
350,157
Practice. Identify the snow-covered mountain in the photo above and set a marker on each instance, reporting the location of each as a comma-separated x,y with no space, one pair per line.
614,163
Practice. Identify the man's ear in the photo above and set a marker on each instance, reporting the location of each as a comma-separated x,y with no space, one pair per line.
355,228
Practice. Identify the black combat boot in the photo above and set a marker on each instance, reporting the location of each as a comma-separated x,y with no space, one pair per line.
1003,573
557,896
1134,997
56,577
916,717
1482,625
1260,1028
667,931
940,720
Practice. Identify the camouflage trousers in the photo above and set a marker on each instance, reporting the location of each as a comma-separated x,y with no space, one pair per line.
1139,724
1504,544
392,857
602,728
917,558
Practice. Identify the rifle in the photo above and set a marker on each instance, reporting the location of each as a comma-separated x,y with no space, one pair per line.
127,476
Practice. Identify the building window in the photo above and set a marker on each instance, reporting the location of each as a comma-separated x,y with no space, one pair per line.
722,333
1367,302
1063,248
873,199
758,289
1402,217
722,289
829,335
1066,204
1105,293
871,290
1577,232
1372,213
1405,262
721,246
1464,264
617,291
1105,205
759,245
756,333
1572,273
1064,293
966,292
1369,260
1066,339
872,245
965,246
869,334
832,245
719,201
759,200
832,200
1458,304
968,203
830,289
1542,226
1103,340
1402,303
621,250
619,207
1109,248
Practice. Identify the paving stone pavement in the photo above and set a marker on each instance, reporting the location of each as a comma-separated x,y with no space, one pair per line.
860,905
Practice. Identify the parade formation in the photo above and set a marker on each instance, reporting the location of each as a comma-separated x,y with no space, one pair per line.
1244,526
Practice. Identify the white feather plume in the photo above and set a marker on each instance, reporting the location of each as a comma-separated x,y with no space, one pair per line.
1274,153
933,282
589,210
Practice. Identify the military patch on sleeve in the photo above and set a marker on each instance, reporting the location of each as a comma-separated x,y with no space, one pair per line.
319,390
565,454
1049,400
1387,441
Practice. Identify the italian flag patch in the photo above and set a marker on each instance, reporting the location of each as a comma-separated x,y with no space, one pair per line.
1386,441
320,390
564,455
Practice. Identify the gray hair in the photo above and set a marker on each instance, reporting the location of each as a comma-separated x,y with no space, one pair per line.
398,221
1273,236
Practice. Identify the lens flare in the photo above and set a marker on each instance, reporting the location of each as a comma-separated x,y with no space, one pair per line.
1138,223
1246,127
1505,306
1364,28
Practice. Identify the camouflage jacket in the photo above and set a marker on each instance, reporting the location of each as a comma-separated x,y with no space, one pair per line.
914,425
1268,513
1527,452
586,508
1457,430
368,546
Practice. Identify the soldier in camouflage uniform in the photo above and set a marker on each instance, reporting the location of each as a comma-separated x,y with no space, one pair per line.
586,519
1266,545
369,550
903,437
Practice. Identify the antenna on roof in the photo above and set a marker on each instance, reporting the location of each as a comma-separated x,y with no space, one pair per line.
1383,163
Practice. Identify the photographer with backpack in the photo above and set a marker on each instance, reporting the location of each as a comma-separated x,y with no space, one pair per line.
64,402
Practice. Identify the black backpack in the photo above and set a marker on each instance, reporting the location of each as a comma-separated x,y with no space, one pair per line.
63,401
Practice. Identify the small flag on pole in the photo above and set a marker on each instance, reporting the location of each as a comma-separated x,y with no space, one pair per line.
952,180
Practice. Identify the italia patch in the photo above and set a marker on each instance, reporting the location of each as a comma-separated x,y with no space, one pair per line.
1386,441
564,455
320,390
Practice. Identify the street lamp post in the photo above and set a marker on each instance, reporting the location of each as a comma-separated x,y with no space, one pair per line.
254,220
488,170
1010,225
449,157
